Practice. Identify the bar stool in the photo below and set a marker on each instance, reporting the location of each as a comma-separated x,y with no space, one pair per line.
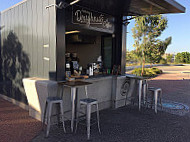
50,101
88,102
156,91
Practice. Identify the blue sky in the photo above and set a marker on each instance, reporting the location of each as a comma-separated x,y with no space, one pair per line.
4,4
178,28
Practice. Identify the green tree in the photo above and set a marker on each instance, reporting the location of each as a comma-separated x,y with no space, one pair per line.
178,58
183,57
145,33
169,58
131,56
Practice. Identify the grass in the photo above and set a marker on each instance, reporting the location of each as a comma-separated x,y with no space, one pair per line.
148,72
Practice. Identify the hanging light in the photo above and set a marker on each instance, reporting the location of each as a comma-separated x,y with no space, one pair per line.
73,2
62,4
72,32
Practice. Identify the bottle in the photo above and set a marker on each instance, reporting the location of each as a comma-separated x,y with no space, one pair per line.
68,70
90,70
80,70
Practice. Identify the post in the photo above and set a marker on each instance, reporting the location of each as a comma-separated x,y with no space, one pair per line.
60,43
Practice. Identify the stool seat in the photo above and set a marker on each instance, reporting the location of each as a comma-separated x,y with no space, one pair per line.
54,99
88,101
154,89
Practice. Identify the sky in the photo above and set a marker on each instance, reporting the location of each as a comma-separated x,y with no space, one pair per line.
178,28
4,4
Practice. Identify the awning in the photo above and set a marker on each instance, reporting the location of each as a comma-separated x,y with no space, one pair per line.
144,7
132,7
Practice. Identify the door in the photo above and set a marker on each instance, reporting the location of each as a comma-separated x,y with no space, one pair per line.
107,52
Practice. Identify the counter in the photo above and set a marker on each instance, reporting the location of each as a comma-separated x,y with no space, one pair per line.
106,89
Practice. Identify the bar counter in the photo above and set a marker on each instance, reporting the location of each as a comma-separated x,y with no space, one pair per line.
106,89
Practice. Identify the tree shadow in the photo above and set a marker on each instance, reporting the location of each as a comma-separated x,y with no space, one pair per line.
15,67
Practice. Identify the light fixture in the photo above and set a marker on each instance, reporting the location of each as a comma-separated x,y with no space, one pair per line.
62,4
73,2
72,32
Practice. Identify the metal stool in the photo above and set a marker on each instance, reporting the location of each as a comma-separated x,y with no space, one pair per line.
156,92
88,102
48,107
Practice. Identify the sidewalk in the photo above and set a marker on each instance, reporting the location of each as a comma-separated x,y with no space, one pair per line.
15,123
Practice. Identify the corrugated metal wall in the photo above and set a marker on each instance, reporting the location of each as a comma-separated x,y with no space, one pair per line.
0,49
28,44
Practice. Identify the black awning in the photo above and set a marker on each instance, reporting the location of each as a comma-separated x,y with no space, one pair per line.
132,7
144,7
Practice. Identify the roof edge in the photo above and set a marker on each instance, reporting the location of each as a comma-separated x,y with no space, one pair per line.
13,6
177,5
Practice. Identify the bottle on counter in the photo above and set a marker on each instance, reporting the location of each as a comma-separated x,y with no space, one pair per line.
68,69
91,71
80,70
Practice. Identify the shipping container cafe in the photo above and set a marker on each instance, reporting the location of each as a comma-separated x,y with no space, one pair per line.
54,40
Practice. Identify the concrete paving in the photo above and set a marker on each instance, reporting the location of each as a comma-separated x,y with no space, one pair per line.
127,124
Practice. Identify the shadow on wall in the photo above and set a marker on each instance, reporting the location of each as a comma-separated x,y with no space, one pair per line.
15,67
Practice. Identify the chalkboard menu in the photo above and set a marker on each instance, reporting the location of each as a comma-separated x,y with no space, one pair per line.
86,17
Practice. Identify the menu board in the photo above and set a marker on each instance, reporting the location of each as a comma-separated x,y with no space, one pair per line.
86,17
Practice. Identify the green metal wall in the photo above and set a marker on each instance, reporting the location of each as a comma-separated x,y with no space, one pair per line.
28,45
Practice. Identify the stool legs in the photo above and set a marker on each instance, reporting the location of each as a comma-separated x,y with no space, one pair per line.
49,108
140,88
152,100
74,102
161,99
62,116
59,113
76,124
155,94
98,118
88,117
44,116
144,92
156,101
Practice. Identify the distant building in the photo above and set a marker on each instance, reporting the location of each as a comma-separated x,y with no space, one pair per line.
170,54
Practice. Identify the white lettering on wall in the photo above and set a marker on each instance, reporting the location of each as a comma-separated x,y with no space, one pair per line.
87,17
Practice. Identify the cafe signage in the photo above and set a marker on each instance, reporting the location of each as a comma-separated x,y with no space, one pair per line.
90,18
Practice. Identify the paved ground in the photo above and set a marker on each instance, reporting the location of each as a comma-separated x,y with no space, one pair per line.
15,124
127,124
174,83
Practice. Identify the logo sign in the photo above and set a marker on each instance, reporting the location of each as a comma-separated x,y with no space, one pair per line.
90,18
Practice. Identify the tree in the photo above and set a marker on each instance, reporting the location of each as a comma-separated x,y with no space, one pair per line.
131,56
145,33
183,57
169,58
